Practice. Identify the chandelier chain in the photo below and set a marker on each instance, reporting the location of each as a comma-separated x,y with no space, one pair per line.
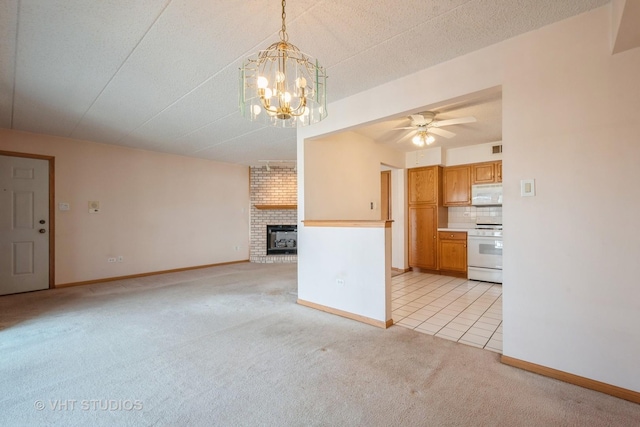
283,32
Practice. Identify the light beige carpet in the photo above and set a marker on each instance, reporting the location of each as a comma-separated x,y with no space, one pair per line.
228,346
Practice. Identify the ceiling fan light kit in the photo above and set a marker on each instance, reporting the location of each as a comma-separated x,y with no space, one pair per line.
283,87
425,125
423,138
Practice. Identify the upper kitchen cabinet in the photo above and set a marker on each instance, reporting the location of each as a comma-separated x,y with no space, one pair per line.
423,185
457,185
486,173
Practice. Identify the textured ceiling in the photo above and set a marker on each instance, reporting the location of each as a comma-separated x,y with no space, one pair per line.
163,74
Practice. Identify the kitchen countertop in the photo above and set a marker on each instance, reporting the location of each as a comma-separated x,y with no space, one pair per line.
455,229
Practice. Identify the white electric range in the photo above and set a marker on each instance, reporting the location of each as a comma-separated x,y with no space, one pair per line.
484,253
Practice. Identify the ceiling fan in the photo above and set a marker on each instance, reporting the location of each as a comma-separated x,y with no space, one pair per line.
426,126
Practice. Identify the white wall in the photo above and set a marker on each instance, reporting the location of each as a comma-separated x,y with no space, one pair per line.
365,289
570,122
343,176
399,230
159,211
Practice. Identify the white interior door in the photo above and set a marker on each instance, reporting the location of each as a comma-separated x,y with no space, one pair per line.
24,224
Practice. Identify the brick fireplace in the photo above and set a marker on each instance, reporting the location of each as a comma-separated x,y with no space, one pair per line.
274,196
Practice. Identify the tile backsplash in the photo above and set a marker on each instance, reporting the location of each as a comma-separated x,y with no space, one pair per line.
468,216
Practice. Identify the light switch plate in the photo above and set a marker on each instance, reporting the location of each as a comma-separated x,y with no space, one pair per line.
63,206
527,187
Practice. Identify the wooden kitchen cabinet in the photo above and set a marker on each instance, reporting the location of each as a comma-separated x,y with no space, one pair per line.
486,173
457,185
423,185
452,252
423,226
426,214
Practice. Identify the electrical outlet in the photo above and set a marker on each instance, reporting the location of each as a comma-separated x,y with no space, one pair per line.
94,206
236,248
111,260
340,282
120,258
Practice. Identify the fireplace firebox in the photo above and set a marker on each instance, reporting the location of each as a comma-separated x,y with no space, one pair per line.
282,239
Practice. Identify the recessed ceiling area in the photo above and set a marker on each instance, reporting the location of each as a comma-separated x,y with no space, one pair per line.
486,107
162,75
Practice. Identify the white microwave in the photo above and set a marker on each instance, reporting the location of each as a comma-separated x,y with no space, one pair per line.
486,195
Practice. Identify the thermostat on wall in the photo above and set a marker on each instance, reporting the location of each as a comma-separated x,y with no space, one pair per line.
94,206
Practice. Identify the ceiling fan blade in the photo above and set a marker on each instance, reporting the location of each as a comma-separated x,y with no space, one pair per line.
458,121
406,127
404,137
441,132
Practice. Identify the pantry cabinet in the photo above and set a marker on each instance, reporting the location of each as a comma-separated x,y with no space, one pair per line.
426,214
424,185
423,227
452,252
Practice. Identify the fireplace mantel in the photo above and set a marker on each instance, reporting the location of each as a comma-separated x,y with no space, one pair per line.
273,207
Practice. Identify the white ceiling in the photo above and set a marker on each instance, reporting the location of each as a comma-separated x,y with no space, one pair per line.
163,74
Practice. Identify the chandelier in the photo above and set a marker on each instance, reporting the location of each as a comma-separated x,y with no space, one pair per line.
422,137
281,86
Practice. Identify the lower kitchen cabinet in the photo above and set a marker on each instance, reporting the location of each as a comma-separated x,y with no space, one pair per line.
423,229
452,252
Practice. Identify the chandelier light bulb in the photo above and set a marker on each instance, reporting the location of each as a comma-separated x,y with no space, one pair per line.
263,82
267,93
301,82
287,97
256,110
280,77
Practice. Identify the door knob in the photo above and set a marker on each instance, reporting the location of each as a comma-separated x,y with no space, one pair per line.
42,231
42,221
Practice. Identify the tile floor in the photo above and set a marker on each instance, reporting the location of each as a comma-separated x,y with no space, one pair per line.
461,310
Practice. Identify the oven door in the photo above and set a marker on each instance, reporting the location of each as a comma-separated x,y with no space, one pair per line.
484,252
